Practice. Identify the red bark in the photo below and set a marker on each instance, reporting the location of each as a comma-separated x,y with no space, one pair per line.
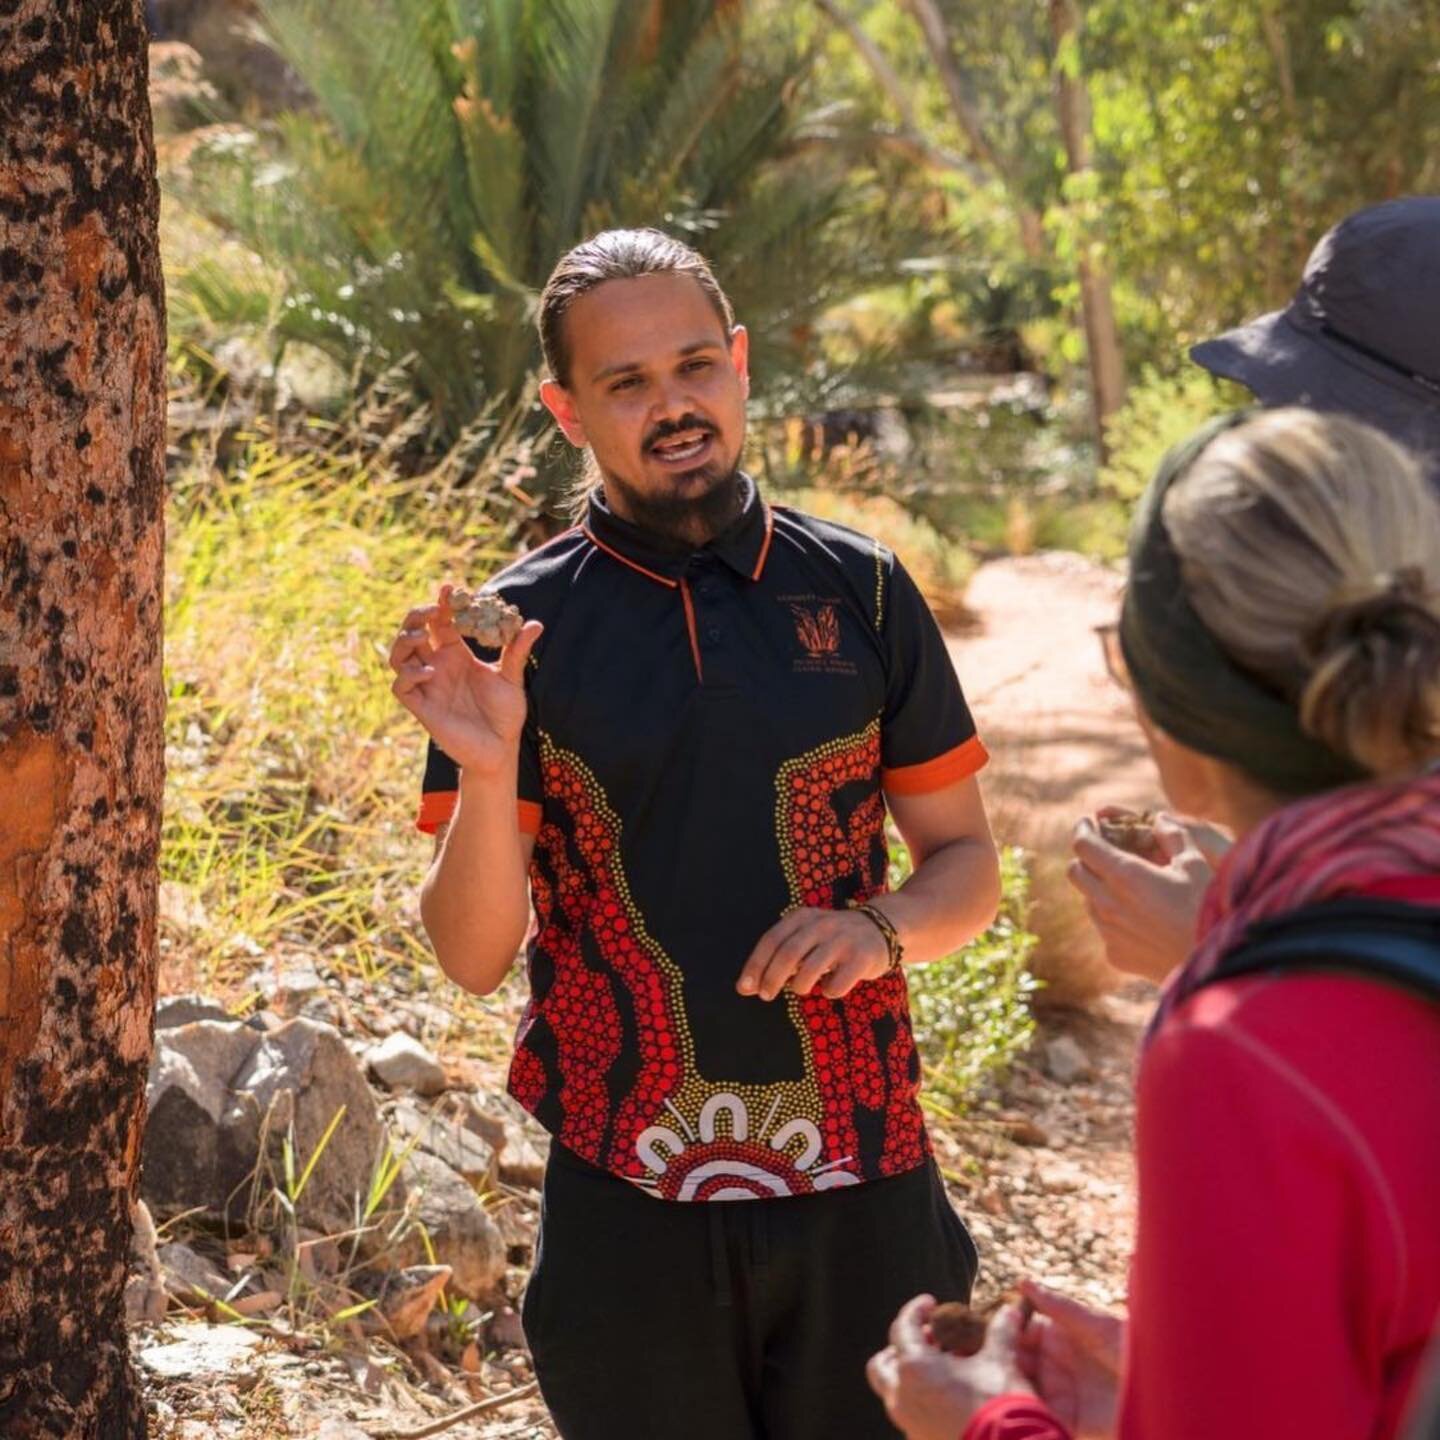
82,408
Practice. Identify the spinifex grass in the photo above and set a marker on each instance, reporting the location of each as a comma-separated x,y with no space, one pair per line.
293,771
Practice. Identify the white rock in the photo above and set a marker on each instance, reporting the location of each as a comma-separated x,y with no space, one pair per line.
1066,1061
200,1350
405,1064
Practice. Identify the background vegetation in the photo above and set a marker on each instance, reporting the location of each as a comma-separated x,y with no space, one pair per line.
928,212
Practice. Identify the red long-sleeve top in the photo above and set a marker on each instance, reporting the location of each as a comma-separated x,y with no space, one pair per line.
1286,1277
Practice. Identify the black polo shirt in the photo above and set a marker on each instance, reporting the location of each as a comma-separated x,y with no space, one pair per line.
710,735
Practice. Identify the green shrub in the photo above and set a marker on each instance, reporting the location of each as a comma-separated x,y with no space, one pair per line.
1162,410
972,1009
455,149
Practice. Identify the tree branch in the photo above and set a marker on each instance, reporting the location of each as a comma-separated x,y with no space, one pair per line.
911,138
937,41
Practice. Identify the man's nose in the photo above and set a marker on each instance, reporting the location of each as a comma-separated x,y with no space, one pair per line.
673,399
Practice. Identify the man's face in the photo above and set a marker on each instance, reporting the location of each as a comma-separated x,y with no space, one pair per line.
657,391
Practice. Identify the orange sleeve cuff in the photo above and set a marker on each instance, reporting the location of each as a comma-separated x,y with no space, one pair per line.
437,806
948,769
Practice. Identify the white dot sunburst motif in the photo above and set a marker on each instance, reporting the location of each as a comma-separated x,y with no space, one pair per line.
729,1165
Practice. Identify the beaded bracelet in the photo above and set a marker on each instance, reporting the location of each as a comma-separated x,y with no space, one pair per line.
892,936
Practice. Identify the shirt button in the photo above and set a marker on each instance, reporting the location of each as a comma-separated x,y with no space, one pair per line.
713,632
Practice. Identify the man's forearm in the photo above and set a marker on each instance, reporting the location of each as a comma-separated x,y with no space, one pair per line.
952,896
475,901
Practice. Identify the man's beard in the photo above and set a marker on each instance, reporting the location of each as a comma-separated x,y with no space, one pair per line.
687,520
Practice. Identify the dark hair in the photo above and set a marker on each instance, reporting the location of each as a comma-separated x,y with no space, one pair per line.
618,255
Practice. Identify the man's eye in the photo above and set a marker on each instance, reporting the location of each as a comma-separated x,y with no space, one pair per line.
628,383
698,364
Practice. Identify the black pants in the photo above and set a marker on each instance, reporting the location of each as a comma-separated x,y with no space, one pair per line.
739,1320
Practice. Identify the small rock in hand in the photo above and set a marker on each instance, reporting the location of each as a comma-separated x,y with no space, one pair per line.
1133,832
957,1329
487,619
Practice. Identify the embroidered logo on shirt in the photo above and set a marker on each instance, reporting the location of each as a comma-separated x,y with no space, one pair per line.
819,630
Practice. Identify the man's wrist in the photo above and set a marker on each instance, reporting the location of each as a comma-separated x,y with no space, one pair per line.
488,786
885,927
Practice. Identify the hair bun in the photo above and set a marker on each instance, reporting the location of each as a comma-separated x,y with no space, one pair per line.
1374,690
1365,605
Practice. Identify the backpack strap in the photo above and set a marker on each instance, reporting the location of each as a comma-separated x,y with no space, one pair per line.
1385,940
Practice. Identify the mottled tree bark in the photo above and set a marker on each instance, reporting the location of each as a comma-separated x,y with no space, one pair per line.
82,408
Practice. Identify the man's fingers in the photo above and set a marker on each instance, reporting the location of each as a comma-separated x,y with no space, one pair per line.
1057,1307
1095,890
410,644
410,676
1212,842
844,977
816,965
907,1330
1172,837
881,1373
419,617
748,981
517,652
1002,1337
783,964
1097,854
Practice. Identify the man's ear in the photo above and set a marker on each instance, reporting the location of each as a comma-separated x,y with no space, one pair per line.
740,357
561,404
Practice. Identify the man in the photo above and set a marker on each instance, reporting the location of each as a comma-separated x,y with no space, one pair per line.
700,729
1361,336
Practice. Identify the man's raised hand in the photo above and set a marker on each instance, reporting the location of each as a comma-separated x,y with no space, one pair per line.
473,709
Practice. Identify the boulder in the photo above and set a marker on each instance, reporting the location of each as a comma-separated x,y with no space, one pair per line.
175,1010
216,1088
190,1156
460,1232
440,1131
189,1277
302,1076
401,1062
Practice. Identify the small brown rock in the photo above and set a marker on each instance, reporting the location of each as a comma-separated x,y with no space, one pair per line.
485,618
957,1328
1132,831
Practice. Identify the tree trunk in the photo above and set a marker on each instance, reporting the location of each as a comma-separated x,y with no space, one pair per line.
82,414
937,40
1102,335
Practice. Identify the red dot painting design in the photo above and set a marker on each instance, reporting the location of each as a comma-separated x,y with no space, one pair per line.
580,1006
677,1134
818,853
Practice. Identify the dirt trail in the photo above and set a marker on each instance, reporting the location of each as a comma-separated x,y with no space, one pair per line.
1043,1171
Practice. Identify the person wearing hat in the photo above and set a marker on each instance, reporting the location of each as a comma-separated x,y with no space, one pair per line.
1361,337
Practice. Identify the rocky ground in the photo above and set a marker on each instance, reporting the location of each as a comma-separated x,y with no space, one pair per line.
267,1307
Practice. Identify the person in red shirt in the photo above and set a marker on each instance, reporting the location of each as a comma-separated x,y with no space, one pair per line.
1281,634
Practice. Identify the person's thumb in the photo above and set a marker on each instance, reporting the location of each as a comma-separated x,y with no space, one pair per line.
1002,1335
517,652
1060,1308
1171,836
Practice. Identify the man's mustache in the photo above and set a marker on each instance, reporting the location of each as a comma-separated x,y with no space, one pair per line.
666,428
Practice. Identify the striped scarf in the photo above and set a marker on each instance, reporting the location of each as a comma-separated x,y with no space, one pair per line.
1342,843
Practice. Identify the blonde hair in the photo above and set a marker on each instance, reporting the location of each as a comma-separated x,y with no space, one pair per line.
1309,547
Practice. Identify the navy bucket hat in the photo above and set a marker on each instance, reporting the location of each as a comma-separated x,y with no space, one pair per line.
1362,335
